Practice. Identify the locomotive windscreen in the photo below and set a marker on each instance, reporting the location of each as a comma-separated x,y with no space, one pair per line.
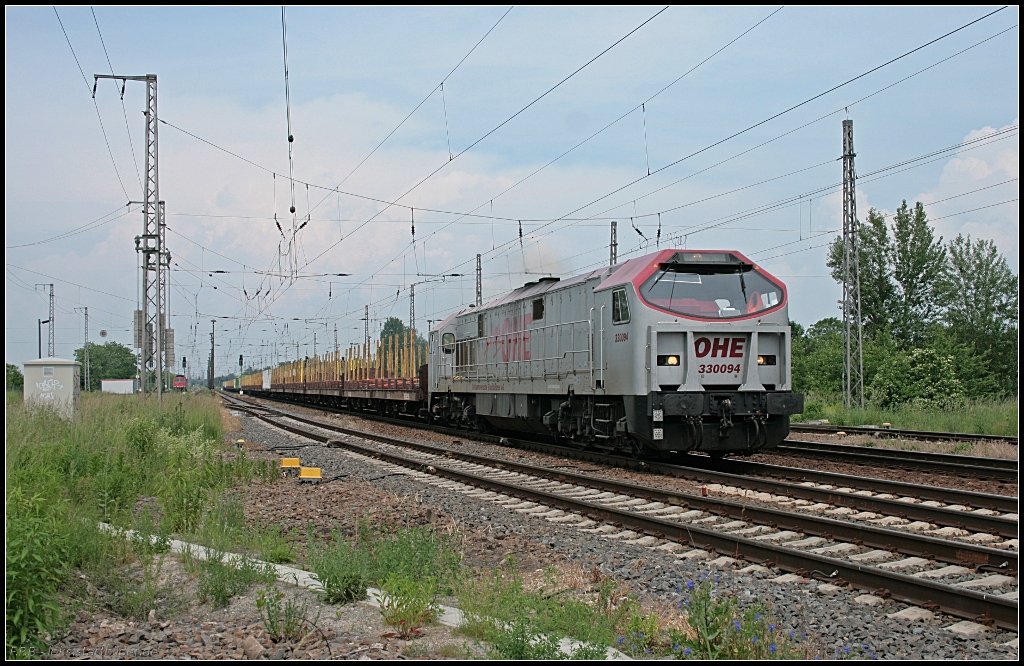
711,285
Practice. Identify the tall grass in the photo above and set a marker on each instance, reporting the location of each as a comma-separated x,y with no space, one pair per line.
983,417
117,454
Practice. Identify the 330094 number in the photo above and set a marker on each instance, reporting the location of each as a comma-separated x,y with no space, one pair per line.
720,367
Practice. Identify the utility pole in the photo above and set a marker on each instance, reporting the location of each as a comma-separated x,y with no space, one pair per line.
49,333
614,246
366,325
854,360
149,243
85,348
412,306
479,283
209,372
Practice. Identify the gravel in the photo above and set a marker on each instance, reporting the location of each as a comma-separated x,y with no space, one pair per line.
831,622
827,623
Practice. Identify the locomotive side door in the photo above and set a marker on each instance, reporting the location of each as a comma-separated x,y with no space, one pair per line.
443,342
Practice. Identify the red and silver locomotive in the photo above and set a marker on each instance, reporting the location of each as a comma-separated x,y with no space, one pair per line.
675,351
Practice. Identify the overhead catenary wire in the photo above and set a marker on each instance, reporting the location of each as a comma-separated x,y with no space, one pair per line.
425,222
95,105
124,109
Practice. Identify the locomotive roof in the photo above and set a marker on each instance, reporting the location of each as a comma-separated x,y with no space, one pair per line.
610,276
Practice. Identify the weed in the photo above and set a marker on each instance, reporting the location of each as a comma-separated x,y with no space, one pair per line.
408,602
36,552
342,570
219,579
272,546
284,622
721,629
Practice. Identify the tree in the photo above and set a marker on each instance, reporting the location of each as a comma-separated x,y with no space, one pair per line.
977,289
918,261
877,289
818,358
898,275
15,380
108,361
980,302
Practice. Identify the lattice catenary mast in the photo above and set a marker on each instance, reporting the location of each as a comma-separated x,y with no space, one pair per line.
853,375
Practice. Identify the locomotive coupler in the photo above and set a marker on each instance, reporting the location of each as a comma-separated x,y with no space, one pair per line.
725,412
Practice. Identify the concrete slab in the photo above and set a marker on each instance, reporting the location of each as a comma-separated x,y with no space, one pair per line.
869,600
835,549
906,563
968,629
888,521
567,518
695,554
829,588
754,568
988,582
644,541
774,537
808,542
913,614
723,562
753,529
948,531
951,570
670,547
625,534
981,538
789,578
872,556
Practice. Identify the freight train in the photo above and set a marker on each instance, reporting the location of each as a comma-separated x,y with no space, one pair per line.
672,352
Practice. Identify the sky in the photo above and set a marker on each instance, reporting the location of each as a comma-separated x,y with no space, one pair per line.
424,136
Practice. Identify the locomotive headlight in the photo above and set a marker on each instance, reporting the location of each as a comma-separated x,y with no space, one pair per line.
763,359
668,360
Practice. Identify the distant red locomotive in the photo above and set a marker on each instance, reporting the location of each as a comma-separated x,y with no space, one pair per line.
180,382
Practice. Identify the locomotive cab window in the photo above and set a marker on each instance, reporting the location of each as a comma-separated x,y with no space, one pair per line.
620,307
711,286
448,343
538,309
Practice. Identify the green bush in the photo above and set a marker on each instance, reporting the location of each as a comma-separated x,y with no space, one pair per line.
407,602
343,570
36,555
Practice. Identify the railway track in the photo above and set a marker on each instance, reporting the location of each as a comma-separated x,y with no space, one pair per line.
1001,469
911,503
790,540
901,434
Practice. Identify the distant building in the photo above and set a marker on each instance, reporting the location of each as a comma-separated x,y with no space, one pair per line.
125,386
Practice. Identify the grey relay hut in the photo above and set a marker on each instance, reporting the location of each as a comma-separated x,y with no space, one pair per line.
53,382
